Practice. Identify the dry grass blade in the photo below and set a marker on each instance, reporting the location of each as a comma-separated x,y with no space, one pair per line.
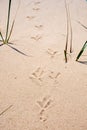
67,35
5,110
65,54
17,50
70,31
82,50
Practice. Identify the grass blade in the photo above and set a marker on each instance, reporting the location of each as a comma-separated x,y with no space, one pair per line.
11,31
2,37
16,50
65,54
70,31
13,23
67,35
82,50
8,20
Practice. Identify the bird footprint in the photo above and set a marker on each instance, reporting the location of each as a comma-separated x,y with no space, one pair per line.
44,104
37,75
52,53
53,75
36,9
36,3
39,26
36,38
30,17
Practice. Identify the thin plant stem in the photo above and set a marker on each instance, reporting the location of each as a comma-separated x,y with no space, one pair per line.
13,23
67,35
2,37
10,31
8,20
70,30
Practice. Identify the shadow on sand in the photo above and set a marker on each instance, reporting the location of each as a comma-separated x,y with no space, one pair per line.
83,62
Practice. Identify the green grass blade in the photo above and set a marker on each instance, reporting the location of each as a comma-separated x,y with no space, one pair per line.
11,31
67,17
82,50
8,20
2,37
13,23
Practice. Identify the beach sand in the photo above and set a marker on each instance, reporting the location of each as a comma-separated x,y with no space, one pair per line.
40,91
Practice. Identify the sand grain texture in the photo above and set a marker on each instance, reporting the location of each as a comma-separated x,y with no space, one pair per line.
44,91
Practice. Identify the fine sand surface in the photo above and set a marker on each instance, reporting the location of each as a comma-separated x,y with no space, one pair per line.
40,91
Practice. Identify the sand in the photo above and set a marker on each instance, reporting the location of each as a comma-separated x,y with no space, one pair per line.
40,91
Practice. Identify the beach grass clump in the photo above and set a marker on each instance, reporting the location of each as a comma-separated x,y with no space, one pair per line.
5,40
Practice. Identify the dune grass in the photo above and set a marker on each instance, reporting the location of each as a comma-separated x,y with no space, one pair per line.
82,25
5,39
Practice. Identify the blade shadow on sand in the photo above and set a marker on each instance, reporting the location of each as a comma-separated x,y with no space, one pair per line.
83,62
